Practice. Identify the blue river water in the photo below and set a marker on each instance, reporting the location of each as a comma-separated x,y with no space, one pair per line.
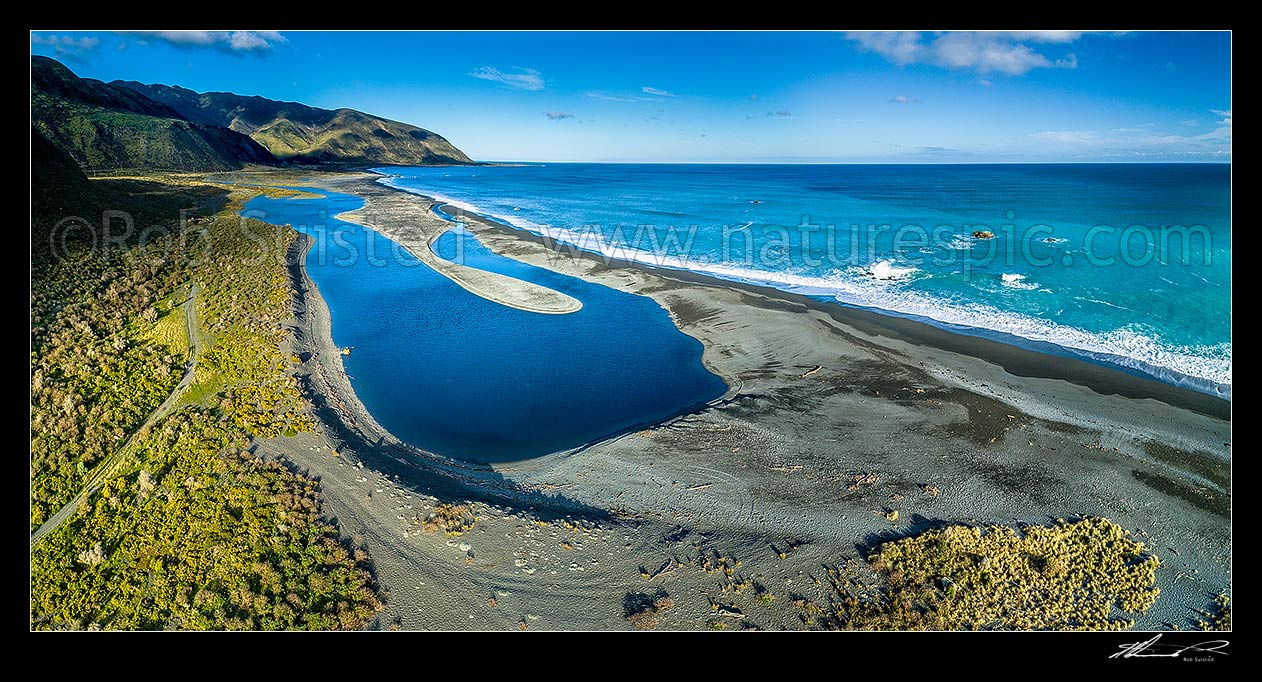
1123,264
459,375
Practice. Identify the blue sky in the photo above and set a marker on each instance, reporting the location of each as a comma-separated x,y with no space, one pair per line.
892,97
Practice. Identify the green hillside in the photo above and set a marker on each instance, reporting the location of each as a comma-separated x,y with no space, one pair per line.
300,133
103,127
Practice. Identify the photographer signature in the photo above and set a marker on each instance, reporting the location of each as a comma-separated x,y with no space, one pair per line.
1151,649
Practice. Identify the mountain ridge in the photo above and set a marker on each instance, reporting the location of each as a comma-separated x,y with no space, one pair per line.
102,126
300,133
129,125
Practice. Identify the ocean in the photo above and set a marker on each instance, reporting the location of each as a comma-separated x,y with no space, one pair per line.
1127,265
461,376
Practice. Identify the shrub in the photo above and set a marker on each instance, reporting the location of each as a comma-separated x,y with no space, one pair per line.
643,620
1067,576
1219,618
452,519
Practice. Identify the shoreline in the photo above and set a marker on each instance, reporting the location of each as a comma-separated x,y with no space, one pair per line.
1148,378
1015,359
345,420
415,226
816,396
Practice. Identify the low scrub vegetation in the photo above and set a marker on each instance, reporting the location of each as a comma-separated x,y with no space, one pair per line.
1085,575
452,519
191,530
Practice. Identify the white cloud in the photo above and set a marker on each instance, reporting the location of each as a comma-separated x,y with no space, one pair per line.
903,99
1007,52
1222,133
1219,137
1166,139
1069,61
68,47
1042,36
1143,140
971,51
518,79
615,98
654,91
900,47
248,41
1067,136
240,42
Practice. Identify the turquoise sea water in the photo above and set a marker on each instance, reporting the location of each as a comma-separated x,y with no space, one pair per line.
1127,264
459,375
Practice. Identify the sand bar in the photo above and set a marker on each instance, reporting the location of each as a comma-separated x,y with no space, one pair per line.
410,222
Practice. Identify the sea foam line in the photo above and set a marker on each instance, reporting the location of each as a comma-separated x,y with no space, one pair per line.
1205,368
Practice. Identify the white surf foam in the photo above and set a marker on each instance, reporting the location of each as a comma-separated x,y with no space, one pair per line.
1206,368
885,269
1017,281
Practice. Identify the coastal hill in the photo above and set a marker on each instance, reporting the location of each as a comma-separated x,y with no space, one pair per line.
102,126
59,182
128,125
299,133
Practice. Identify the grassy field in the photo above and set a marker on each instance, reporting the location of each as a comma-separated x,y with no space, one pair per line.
168,330
277,192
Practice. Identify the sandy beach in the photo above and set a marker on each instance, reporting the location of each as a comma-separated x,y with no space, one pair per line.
833,418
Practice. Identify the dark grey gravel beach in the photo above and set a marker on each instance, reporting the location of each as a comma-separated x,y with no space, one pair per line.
834,418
